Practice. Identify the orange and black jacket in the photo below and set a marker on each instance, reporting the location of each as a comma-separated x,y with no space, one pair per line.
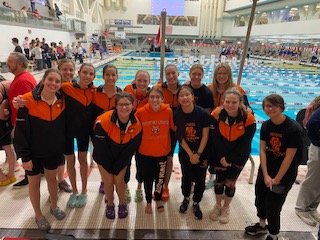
40,128
139,99
80,117
101,101
110,149
232,141
169,97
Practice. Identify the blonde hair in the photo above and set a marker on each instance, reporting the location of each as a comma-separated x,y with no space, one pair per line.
229,83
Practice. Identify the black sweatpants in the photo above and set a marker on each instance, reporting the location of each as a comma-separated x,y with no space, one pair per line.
269,204
193,173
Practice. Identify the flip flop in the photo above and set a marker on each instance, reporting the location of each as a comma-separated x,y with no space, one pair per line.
43,224
81,200
5,182
160,209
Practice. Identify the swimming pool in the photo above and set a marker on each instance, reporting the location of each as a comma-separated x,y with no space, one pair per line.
297,85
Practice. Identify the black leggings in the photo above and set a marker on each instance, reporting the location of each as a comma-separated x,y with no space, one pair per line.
226,179
154,171
139,175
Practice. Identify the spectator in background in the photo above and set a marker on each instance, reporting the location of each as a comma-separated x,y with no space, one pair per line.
15,42
36,14
23,82
57,10
33,5
51,12
79,53
23,13
5,4
26,47
37,53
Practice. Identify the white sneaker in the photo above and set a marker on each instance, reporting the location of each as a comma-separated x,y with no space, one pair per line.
315,215
225,215
215,213
307,218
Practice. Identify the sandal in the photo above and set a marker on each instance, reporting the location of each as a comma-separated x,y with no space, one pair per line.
5,182
72,200
43,224
138,196
58,213
122,211
12,179
110,213
160,207
81,200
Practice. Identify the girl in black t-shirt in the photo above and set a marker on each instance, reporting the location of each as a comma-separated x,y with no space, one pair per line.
192,131
280,154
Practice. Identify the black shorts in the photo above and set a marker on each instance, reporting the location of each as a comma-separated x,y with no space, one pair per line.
5,132
82,143
39,164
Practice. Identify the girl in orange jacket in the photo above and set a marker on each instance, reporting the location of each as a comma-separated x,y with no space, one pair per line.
232,130
104,98
39,140
117,135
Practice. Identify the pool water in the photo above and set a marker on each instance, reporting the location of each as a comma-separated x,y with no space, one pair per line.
298,86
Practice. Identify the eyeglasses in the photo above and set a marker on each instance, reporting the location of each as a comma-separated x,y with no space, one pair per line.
124,105
270,106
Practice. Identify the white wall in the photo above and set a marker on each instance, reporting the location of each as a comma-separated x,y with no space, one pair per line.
136,7
290,28
236,4
10,32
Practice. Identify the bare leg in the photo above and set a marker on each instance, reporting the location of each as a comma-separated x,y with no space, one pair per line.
34,194
82,157
120,185
108,184
227,201
10,158
72,172
60,173
52,186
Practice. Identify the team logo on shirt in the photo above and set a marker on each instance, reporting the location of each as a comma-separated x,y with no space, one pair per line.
155,129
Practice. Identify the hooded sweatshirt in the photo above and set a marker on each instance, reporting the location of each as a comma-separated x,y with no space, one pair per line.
156,127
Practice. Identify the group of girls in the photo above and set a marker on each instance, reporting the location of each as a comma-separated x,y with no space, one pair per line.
141,121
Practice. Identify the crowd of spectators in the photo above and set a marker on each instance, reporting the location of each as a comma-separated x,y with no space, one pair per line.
42,55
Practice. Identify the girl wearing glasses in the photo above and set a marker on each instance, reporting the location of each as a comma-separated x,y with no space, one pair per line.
280,155
105,95
117,135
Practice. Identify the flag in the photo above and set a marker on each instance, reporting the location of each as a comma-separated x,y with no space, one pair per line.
157,40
